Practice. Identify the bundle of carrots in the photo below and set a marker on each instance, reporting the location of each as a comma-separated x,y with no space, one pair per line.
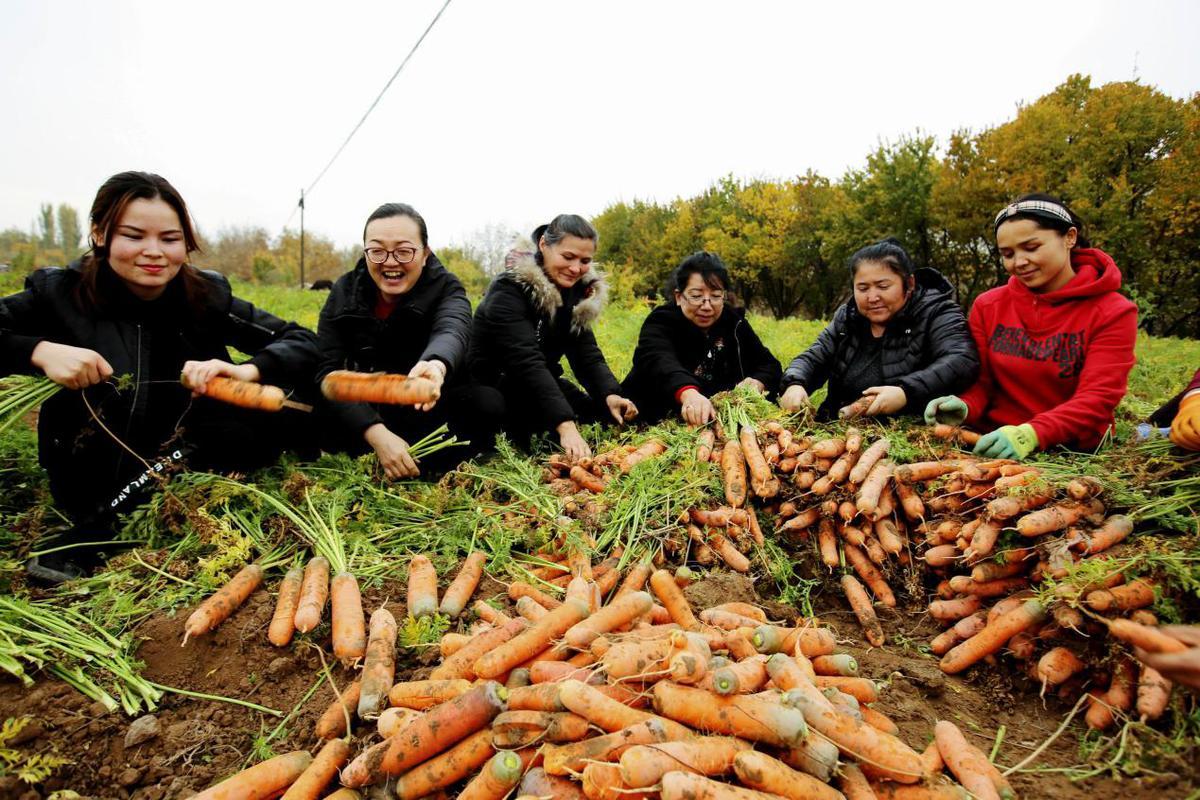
592,698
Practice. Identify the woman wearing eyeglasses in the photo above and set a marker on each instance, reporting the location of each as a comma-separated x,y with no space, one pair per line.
539,309
898,342
1056,340
697,345
400,311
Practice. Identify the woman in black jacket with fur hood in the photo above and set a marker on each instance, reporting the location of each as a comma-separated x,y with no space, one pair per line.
116,330
696,346
900,341
400,311
539,309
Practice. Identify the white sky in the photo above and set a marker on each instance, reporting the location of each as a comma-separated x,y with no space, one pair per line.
513,111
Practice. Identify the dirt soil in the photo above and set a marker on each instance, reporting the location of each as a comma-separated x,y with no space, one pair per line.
200,741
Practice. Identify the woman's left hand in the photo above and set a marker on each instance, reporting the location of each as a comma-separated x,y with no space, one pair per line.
434,370
885,400
196,374
622,408
755,384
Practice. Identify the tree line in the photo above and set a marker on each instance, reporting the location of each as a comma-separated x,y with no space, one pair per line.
1124,156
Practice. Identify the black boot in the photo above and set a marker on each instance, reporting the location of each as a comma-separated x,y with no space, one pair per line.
78,556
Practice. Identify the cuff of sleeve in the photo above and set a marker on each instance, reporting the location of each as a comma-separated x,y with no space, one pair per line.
679,392
20,351
434,356
270,369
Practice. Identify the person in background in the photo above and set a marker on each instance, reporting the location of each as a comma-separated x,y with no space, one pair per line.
539,309
400,311
900,341
116,330
696,346
1179,417
1056,341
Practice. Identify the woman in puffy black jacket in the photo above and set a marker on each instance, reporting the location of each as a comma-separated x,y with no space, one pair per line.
696,346
539,309
117,330
400,311
900,341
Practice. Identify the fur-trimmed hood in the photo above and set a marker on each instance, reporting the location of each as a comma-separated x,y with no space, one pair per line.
587,297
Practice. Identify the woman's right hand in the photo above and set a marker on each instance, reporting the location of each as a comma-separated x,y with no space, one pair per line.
573,444
948,410
392,452
794,398
1182,667
695,408
72,367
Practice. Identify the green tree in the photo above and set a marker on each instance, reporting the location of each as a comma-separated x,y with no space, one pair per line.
69,236
46,231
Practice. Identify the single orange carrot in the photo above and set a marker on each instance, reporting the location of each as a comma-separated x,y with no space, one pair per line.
854,784
1144,636
422,587
870,574
616,614
644,766
967,763
490,614
245,394
1115,529
860,603
344,386
1137,594
332,723
649,450
1153,693
733,473
887,755
572,757
498,777
671,596
742,677
460,665
609,714
422,695
532,641
751,717
217,608
680,785
926,470
312,782
283,623
704,444
1057,665
515,729
444,770
766,774
459,592
993,637
869,494
762,482
537,784
266,780
379,666
587,480
519,589
393,720
349,624
827,543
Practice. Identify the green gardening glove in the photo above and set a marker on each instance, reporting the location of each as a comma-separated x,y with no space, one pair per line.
948,410
1011,441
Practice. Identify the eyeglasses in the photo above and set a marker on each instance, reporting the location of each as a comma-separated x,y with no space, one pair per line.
378,255
696,299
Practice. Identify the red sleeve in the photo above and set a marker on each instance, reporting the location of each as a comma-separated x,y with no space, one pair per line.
1088,414
682,389
978,396
1195,384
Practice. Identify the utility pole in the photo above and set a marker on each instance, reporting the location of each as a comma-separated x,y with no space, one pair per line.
301,238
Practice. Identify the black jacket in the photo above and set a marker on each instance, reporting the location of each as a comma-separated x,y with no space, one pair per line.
926,350
526,324
148,341
672,353
432,320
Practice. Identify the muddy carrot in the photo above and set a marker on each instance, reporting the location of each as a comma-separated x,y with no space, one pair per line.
587,480
217,608
379,666
537,784
425,694
644,765
568,758
1147,638
730,554
519,589
514,729
662,583
392,720
244,394
1115,529
910,502
969,764
746,716
635,579
463,759
283,623
926,470
262,781
1137,594
827,542
854,784
460,664
733,473
312,782
1057,665
459,592
704,444
1153,692
422,588
490,614
870,574
616,614
332,723
742,677
888,756
860,603
530,642
498,777
871,490
349,624
993,637
766,774
609,714
862,689
1055,518
344,386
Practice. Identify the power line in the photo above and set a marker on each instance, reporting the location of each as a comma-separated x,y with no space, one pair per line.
371,108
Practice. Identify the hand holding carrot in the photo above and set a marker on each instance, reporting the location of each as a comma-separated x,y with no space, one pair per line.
197,374
433,370
1182,667
622,409
573,444
885,400
695,408
755,384
72,367
948,410
794,398
392,452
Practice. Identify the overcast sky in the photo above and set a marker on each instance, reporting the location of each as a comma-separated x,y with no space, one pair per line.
511,112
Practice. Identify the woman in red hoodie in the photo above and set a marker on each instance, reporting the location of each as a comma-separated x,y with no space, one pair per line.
1055,342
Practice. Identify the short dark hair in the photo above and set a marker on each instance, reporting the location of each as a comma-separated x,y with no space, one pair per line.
389,210
1050,222
559,228
112,198
888,252
708,266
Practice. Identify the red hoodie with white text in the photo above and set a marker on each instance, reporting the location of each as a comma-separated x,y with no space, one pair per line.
1059,361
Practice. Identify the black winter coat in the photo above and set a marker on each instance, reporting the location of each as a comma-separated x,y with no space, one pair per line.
432,320
148,341
673,353
524,326
926,350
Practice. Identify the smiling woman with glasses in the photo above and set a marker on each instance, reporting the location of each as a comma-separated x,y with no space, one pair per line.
400,311
695,346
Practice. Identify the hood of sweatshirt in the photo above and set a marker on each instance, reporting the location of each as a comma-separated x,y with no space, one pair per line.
1095,274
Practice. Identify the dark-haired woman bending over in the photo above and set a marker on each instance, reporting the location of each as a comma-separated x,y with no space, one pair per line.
898,342
696,346
539,309
117,329
1056,340
400,311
